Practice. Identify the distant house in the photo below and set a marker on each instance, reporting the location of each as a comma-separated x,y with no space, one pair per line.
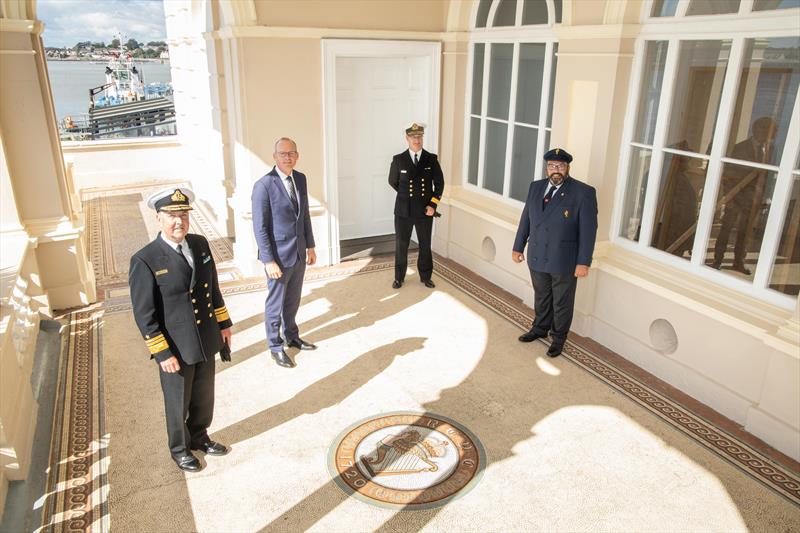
164,54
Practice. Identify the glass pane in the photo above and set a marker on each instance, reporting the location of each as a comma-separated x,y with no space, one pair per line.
698,89
712,7
529,84
682,178
740,218
552,85
650,91
506,14
664,8
500,80
474,147
557,6
635,191
483,13
785,275
523,160
477,79
494,160
764,5
534,12
767,90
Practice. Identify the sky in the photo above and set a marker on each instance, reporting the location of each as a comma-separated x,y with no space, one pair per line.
70,21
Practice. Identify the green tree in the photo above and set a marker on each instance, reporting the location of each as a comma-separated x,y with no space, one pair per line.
114,43
132,44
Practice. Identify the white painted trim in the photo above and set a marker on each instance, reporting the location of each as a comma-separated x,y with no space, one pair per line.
492,13
21,26
544,107
335,48
595,54
17,52
763,23
487,60
512,112
285,32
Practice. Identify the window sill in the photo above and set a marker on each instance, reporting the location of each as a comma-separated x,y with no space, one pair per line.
72,147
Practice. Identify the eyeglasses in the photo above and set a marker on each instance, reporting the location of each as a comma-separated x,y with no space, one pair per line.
291,154
556,166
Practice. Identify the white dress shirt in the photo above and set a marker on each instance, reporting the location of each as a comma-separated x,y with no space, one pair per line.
185,250
285,182
548,188
419,154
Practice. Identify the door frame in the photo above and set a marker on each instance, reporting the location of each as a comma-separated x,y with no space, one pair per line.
332,49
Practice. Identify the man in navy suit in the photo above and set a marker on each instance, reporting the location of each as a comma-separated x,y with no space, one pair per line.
559,225
282,226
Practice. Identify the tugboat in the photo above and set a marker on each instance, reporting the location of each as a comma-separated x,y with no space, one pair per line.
123,107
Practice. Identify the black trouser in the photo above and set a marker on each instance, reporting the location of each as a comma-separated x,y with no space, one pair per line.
402,232
188,404
553,303
737,215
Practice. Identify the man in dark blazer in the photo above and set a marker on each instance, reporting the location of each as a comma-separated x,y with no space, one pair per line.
282,227
744,187
417,177
559,225
180,312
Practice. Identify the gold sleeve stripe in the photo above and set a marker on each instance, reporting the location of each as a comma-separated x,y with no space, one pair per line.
435,200
160,347
155,340
222,314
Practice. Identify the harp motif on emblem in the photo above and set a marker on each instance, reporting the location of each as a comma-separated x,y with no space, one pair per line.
405,453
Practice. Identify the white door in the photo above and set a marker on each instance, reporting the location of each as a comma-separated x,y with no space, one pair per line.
376,99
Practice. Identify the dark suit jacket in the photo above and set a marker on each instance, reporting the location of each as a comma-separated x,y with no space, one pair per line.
179,311
418,186
281,233
563,235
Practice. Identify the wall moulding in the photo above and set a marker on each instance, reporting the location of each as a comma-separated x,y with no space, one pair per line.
22,26
272,32
53,229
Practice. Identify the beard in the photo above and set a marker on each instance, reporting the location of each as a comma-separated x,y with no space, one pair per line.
556,178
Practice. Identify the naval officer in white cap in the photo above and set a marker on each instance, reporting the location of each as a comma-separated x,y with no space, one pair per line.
180,312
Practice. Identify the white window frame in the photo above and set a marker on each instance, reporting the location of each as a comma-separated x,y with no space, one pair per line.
516,36
737,28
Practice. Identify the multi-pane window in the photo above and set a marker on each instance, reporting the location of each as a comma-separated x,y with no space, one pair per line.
511,93
712,158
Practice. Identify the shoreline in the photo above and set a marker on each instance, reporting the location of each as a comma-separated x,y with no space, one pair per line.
94,60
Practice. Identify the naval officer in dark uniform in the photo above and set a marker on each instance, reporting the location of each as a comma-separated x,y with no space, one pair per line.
417,177
180,312
559,225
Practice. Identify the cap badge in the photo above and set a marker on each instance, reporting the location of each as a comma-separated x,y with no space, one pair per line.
177,196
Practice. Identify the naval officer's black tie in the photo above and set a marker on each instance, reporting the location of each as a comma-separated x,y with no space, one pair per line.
548,196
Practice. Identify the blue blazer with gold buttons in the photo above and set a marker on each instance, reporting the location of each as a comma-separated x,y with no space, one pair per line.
179,310
562,235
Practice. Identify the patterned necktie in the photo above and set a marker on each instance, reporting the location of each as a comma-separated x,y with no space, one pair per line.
548,196
292,193
180,252
416,159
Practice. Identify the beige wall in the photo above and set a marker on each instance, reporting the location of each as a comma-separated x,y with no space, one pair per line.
399,15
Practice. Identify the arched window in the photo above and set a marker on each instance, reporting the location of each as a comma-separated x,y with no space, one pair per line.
712,180
510,93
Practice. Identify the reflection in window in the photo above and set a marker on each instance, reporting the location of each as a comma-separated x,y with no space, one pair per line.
664,8
494,160
767,90
676,210
506,13
650,92
635,191
529,84
740,218
477,79
785,275
713,7
474,149
764,5
483,13
558,8
523,158
500,80
534,12
698,89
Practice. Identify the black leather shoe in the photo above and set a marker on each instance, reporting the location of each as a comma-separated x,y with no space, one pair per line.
555,349
396,284
429,283
283,359
739,267
531,336
301,344
211,448
187,462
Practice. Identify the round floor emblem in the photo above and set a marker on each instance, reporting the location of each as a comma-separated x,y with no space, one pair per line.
408,460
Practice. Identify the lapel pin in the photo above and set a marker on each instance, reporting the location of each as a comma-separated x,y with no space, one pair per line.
566,213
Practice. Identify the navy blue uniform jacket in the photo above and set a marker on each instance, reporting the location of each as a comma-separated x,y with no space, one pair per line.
281,233
561,236
179,311
418,186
